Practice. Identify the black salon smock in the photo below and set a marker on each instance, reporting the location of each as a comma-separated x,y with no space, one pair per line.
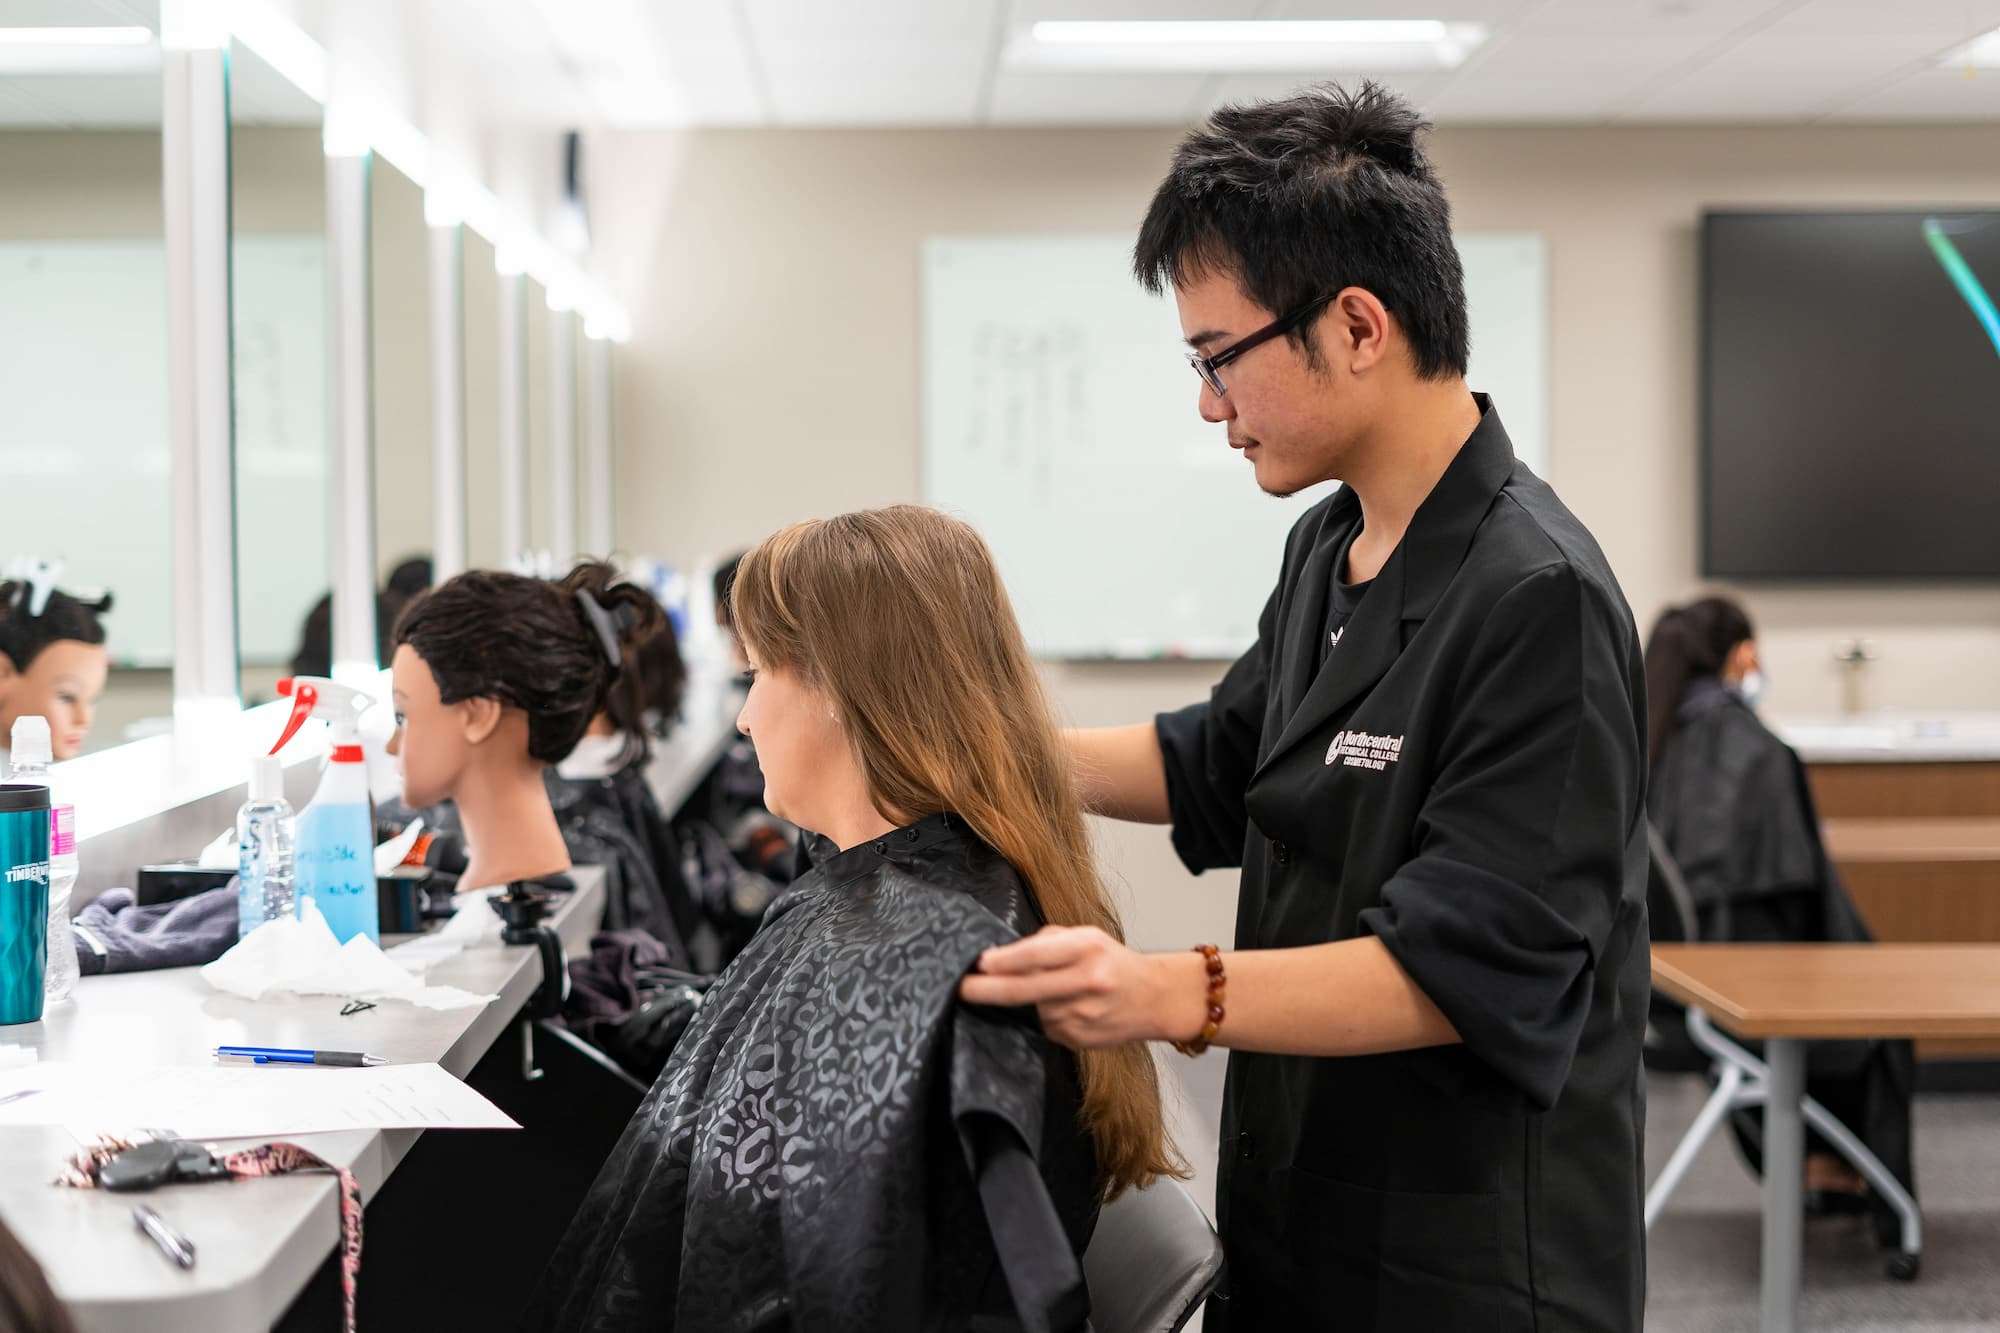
1463,778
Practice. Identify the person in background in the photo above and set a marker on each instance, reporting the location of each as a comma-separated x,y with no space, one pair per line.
53,662
1733,806
644,702
607,810
410,577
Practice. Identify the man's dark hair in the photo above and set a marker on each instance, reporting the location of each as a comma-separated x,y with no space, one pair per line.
1302,197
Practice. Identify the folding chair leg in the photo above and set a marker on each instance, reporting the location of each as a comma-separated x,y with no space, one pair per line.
1872,1171
1720,1102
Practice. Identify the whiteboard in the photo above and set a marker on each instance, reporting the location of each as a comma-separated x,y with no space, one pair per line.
84,446
1059,418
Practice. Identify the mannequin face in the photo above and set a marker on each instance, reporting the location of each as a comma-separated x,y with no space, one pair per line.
436,742
62,684
811,776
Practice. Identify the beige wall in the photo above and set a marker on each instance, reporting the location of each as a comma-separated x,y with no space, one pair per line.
399,265
774,369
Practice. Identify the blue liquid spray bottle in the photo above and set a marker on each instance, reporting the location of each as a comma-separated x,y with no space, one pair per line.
336,838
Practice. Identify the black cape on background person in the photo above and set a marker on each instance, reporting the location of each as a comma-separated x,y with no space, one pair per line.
1732,804
837,1143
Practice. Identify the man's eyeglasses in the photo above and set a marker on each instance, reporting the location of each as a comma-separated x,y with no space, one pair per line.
1210,367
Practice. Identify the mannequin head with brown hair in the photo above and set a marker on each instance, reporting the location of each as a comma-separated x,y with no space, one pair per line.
495,677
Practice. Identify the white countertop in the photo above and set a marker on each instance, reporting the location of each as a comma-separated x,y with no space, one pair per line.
1894,738
259,1241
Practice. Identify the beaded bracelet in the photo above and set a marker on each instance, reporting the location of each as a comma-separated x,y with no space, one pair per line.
1218,986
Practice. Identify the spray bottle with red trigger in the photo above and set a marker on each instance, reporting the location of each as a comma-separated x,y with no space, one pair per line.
336,846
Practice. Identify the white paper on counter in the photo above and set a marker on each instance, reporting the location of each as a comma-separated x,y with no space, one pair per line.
244,1101
299,955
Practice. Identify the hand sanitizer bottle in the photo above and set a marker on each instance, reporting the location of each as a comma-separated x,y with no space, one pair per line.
33,750
265,837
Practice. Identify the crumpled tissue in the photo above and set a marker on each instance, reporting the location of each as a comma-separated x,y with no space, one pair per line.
299,955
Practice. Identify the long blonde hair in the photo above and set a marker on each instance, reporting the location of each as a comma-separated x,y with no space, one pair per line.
899,617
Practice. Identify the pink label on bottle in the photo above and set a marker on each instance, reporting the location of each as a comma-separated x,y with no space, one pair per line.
62,830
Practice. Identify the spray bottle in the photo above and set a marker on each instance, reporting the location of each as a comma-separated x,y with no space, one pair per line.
336,839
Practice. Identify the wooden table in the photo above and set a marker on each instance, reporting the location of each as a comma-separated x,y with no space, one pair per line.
1788,994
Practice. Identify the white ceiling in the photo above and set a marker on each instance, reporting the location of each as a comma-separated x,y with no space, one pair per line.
941,62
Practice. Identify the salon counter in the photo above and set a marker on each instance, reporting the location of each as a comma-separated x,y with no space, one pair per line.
258,1241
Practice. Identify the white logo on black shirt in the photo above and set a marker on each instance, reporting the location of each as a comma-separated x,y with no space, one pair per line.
1358,749
1336,638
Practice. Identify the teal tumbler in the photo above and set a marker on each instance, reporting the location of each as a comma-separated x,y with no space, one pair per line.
24,900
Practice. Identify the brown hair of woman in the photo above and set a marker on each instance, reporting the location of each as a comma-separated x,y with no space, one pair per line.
898,616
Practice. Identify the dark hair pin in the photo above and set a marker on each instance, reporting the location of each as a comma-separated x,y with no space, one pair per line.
601,621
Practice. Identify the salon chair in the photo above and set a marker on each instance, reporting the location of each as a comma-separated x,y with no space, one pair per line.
1152,1261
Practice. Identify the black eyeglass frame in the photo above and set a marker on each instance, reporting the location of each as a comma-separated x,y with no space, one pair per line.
1210,367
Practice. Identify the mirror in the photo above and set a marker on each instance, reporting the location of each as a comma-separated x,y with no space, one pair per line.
84,444
541,510
399,301
483,547
277,250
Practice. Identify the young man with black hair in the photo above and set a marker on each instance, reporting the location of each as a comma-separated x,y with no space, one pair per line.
1430,767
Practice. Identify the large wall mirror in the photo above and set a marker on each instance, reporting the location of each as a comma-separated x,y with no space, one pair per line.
399,334
277,252
541,504
84,447
484,548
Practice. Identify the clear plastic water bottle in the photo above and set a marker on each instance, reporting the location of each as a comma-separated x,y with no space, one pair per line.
266,849
33,750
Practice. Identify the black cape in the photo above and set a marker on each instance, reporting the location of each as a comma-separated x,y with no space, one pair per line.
1733,806
838,1143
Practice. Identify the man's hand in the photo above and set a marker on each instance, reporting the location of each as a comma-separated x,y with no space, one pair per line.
1092,991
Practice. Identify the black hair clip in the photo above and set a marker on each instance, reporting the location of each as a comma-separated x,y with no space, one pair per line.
601,621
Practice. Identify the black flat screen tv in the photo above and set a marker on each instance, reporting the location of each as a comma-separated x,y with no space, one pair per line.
1850,373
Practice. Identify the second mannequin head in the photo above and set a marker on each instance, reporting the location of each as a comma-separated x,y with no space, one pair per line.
496,673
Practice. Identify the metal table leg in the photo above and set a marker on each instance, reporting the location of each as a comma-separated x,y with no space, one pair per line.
1784,1199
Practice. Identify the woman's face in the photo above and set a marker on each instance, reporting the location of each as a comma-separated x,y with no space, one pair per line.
63,684
800,745
430,743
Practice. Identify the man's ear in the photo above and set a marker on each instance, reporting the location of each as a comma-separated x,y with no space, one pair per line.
480,718
1360,321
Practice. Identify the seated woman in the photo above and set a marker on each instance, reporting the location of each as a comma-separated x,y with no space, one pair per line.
53,662
1731,802
495,677
837,1142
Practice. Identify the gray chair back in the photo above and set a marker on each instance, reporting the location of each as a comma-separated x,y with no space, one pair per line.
1152,1261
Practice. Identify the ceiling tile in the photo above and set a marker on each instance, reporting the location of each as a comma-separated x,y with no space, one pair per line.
1632,18
1931,95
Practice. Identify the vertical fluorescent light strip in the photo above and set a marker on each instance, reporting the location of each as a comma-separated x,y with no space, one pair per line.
1963,278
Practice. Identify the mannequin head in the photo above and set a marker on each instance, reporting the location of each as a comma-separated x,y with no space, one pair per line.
497,675
53,664
645,698
1708,639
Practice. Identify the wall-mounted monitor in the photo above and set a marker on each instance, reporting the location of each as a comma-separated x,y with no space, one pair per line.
1851,395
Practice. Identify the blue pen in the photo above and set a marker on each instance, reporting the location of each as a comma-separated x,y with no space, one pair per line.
279,1055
